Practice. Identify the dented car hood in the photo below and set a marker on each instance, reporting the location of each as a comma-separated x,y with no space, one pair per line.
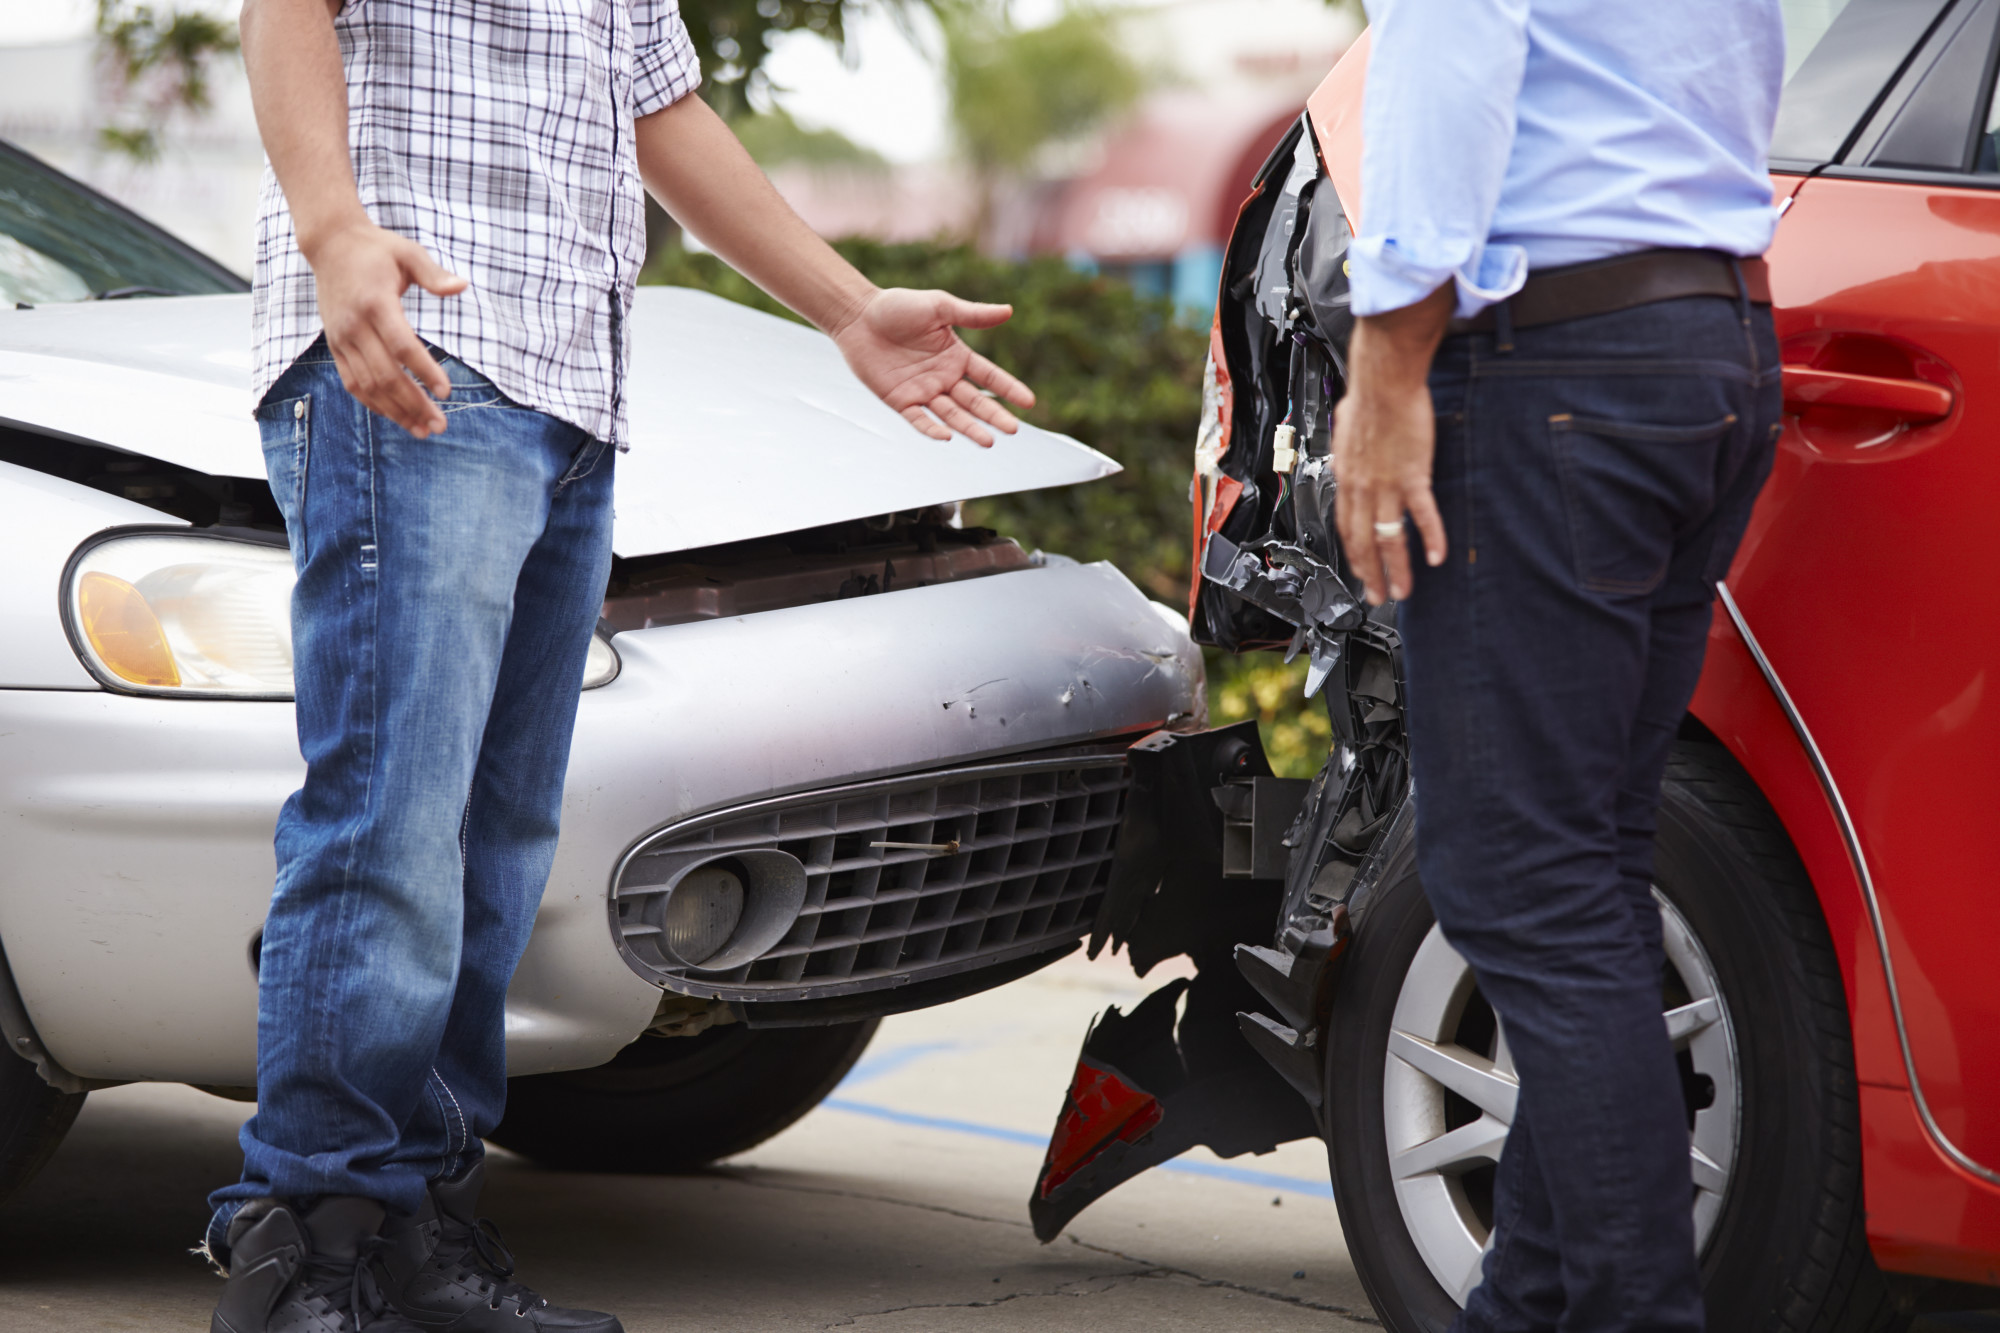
743,424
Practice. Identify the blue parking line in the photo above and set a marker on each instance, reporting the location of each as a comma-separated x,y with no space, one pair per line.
878,1065
891,1114
1237,1175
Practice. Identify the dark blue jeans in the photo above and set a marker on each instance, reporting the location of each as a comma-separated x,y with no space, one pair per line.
1595,478
447,592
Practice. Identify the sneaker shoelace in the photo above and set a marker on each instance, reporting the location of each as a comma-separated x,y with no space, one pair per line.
330,1279
483,1256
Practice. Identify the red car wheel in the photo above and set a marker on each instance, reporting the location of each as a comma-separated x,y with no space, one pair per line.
1417,1066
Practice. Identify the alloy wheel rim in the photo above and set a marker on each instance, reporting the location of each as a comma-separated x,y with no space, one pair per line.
1449,1090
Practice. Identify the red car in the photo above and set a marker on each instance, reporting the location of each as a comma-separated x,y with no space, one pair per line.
1828,879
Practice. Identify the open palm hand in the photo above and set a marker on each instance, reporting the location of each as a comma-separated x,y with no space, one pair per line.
902,346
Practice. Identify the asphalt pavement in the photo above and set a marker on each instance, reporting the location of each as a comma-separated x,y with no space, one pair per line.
900,1206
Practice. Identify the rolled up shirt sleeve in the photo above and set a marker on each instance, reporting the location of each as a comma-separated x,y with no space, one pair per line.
1438,128
664,66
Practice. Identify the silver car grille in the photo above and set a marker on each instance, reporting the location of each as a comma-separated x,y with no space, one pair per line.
1035,840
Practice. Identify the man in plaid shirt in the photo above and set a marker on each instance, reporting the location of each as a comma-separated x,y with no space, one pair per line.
451,230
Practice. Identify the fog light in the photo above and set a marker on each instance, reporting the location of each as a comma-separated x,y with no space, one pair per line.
702,912
600,666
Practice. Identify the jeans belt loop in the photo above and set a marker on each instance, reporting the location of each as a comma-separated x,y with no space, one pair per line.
1503,327
1742,290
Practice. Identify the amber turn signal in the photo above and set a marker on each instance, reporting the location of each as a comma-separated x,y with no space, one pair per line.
124,632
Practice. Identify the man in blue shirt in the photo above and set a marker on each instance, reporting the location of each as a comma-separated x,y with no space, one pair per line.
1564,373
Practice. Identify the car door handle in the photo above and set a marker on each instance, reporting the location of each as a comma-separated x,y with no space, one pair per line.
1911,400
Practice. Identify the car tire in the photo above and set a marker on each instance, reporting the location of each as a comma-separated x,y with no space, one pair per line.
34,1117
670,1104
1785,1248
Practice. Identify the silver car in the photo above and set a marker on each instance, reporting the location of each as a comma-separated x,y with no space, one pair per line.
891,745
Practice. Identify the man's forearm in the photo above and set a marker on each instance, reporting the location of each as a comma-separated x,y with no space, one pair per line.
701,174
901,344
1383,438
360,271
1390,354
300,95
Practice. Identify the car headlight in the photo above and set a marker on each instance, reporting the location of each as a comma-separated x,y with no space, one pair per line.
169,613
199,615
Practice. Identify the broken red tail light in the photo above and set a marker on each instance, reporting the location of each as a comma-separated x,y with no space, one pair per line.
1100,1109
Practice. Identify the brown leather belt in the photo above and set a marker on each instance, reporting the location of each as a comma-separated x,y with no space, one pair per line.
1602,286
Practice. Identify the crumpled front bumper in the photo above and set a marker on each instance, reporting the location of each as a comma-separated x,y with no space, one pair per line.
138,838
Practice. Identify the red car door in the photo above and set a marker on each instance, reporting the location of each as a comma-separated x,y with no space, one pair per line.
1871,574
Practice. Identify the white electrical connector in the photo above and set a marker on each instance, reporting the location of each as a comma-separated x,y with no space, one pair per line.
1283,456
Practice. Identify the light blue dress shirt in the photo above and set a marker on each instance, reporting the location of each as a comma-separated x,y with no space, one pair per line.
1501,136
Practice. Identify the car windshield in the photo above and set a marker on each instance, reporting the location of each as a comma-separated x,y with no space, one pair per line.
62,241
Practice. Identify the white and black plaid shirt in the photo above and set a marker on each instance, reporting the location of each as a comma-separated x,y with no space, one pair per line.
498,133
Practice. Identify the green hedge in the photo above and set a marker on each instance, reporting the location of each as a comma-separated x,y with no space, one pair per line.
1123,374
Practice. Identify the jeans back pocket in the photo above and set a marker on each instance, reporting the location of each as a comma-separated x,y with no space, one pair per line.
1630,489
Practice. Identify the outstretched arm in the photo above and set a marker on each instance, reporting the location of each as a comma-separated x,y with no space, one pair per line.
899,343
361,270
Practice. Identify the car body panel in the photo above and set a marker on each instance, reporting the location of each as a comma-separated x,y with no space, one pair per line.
46,518
1735,703
1926,1214
742,424
1859,577
1334,111
139,859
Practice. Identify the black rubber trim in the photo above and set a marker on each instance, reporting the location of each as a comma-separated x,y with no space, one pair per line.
899,1000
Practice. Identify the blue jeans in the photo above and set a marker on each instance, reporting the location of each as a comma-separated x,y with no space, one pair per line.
1595,478
447,592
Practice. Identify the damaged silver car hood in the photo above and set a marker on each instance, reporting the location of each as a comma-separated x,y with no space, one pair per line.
743,425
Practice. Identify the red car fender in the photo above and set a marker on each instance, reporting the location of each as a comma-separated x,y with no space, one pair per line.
1334,110
1211,508
1735,702
1926,1214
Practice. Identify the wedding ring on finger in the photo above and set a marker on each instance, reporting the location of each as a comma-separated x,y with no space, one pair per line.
1387,530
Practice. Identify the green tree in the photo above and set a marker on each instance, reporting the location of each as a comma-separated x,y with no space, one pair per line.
774,138
734,37
1014,91
160,56
159,62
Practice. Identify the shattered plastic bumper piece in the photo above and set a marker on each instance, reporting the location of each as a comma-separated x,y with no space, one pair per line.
1294,585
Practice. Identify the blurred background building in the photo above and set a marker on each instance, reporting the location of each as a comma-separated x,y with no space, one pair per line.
1122,138
1147,190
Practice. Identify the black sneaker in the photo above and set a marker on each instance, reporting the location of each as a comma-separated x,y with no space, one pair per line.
308,1271
446,1268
